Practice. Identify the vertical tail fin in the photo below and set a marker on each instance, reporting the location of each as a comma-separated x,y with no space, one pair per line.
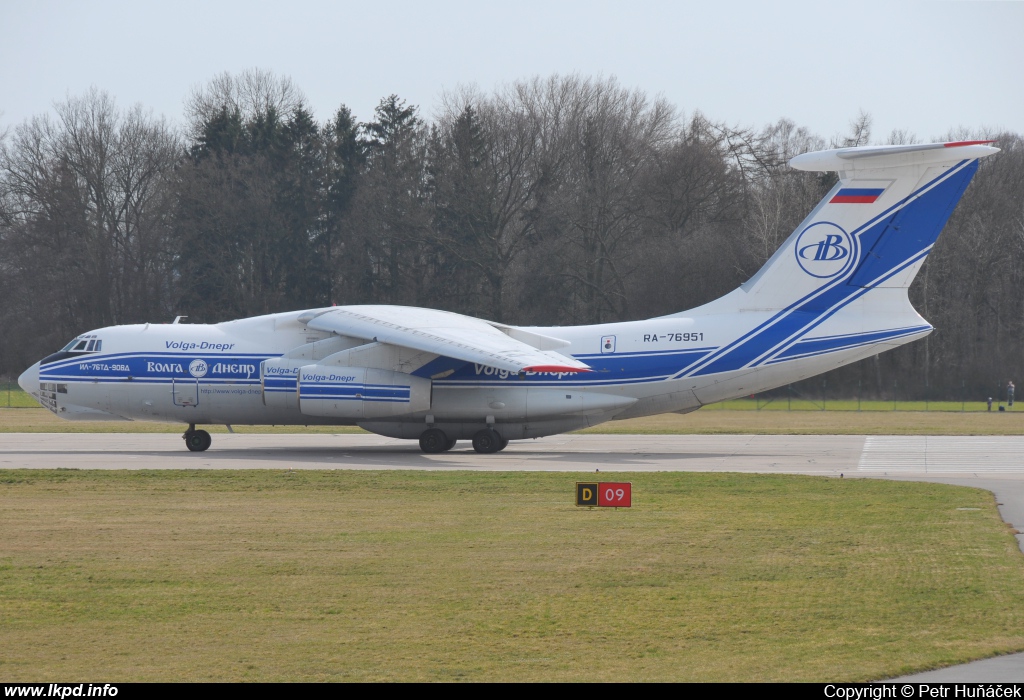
876,226
840,280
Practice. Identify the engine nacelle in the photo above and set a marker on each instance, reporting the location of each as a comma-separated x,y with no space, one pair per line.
278,377
360,392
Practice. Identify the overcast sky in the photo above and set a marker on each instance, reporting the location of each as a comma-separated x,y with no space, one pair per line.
923,66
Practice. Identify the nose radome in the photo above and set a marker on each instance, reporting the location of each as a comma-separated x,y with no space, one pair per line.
29,380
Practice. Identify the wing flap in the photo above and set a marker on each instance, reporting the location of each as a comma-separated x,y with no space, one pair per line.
445,333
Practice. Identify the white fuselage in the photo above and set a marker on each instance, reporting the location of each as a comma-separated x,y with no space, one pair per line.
224,374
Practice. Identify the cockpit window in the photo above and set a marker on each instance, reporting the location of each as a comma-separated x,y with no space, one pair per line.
81,344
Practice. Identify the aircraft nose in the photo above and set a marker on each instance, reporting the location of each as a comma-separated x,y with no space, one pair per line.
29,380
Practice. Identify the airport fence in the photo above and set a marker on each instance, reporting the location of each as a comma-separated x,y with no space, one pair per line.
810,395
805,397
11,395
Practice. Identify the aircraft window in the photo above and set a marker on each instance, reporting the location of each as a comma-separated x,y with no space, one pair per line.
68,347
99,345
80,346
91,346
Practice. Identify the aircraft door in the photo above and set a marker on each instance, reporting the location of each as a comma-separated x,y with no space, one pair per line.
185,392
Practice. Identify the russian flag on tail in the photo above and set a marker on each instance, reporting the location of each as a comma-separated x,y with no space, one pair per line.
857,195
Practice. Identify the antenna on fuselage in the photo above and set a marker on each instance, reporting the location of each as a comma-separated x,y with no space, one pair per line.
177,319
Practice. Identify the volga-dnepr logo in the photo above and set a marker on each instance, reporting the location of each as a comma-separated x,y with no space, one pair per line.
824,250
197,368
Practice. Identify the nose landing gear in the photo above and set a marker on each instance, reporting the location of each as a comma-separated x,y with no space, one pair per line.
197,440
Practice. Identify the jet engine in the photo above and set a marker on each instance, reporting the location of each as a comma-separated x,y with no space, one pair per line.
278,377
360,392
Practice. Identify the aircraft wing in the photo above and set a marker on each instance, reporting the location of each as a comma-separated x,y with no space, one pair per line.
444,333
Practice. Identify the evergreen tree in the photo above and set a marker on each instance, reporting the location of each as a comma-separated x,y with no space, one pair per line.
344,160
392,214
221,134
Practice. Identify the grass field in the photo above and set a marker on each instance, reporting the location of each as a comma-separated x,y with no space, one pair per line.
342,575
703,422
823,404
712,421
11,396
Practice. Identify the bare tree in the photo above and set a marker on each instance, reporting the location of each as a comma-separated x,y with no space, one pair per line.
252,92
609,137
85,212
487,169
901,137
860,132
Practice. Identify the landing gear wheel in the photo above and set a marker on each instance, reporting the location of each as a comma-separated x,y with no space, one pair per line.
198,440
487,441
433,441
451,444
504,444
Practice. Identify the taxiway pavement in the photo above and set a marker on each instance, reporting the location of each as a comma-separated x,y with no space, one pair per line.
995,463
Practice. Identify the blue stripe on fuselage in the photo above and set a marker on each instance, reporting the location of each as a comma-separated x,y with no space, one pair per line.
154,366
355,392
623,368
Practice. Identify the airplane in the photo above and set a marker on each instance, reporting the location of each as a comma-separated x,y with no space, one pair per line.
835,292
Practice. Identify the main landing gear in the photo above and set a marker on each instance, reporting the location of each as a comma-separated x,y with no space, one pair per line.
434,441
488,441
197,440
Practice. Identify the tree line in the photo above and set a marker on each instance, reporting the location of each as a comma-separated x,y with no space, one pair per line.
559,200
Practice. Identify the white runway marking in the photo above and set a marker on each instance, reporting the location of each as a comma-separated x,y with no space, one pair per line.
939,454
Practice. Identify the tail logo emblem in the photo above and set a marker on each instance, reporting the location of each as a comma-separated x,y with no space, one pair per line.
828,250
823,250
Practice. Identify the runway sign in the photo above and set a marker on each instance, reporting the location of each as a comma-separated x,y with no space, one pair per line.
605,494
617,495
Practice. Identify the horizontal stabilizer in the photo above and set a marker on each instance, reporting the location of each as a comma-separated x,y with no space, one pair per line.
881,157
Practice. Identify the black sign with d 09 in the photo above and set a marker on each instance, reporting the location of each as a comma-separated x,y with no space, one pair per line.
604,494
